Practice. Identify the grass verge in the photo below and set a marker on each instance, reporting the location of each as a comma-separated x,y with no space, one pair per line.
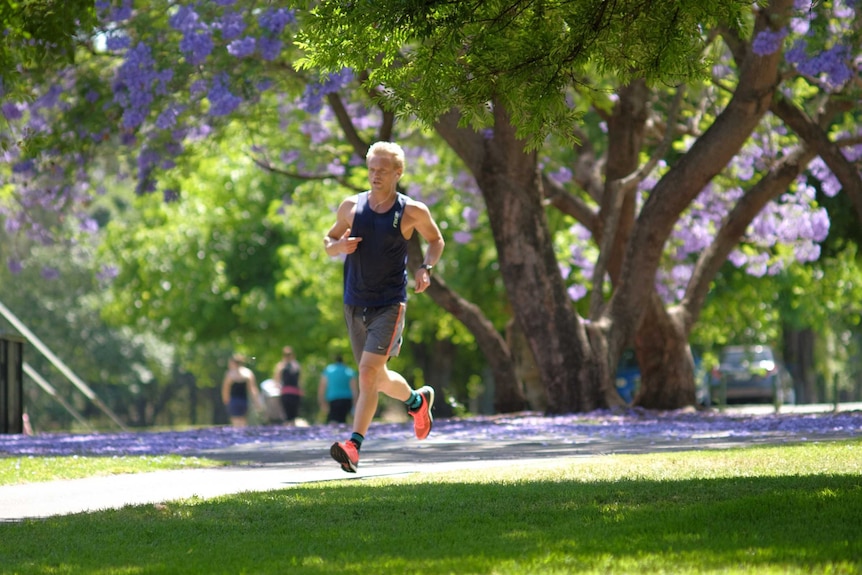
16,470
787,509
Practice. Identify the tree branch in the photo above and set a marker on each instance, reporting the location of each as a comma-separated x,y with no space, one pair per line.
815,136
734,225
265,164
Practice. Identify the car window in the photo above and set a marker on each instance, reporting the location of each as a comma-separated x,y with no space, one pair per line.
737,357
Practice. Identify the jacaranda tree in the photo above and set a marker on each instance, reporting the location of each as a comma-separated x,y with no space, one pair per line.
662,167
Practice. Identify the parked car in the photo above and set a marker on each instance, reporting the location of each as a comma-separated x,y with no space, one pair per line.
748,374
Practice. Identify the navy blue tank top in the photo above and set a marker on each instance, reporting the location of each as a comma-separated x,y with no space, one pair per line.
376,273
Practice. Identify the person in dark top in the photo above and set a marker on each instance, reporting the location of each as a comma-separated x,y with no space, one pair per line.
237,387
287,373
371,230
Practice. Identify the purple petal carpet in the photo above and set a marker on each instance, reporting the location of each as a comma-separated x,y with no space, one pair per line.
630,424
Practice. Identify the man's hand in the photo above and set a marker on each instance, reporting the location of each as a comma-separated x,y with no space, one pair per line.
422,279
343,245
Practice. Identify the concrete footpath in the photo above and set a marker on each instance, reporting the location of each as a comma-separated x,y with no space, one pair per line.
250,469
283,465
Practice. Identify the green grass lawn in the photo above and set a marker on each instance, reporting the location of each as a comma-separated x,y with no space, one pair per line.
783,509
29,469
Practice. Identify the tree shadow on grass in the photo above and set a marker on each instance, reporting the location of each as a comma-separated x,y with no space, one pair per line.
805,524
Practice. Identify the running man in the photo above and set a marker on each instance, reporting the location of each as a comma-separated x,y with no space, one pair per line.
372,229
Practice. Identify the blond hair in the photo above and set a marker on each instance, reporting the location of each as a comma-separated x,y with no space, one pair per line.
387,148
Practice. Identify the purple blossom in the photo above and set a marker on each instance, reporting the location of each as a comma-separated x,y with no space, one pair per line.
12,225
50,273
845,11
462,237
274,20
168,118
737,258
579,258
831,64
15,266
800,26
108,14
12,110
89,225
336,168
270,48
828,181
222,102
49,99
170,195
576,292
820,225
561,176
107,273
185,19
197,46
756,265
798,53
133,85
768,41
471,216
744,164
764,224
117,42
289,157
199,132
329,83
776,267
147,161
24,167
242,47
232,25
807,252
721,70
198,88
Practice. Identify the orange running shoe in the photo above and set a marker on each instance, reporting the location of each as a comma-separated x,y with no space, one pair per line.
422,418
345,453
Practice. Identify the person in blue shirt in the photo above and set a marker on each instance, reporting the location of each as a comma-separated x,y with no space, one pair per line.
337,390
371,233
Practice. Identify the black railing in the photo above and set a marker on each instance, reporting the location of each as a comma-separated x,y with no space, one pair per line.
11,384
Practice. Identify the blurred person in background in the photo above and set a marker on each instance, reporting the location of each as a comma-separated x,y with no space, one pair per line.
337,391
287,373
238,387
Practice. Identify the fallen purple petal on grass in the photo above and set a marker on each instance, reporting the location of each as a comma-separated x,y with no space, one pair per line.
633,424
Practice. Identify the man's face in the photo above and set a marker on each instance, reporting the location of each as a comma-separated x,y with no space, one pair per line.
383,174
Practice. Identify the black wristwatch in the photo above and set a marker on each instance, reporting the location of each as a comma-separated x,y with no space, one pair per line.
428,267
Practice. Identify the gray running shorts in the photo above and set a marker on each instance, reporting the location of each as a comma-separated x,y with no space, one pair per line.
375,329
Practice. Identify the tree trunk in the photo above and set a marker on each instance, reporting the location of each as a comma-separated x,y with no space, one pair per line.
508,395
664,357
508,177
798,357
526,368
675,191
